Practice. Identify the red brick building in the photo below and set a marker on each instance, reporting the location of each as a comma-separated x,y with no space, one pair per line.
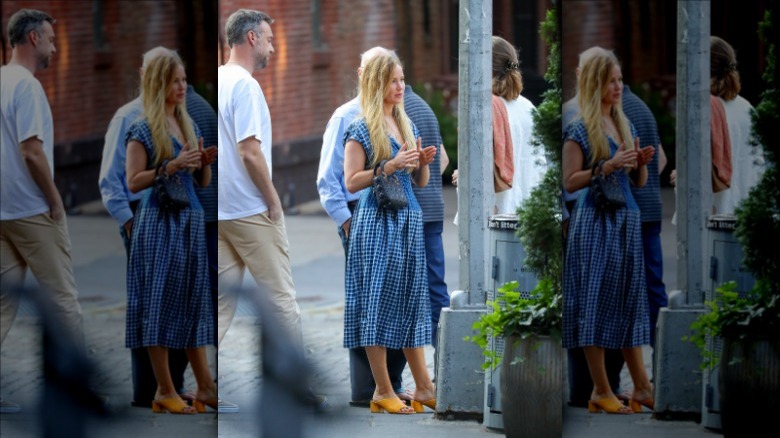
318,44
643,35
95,70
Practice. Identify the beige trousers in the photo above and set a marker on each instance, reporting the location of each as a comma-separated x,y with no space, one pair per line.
257,243
43,245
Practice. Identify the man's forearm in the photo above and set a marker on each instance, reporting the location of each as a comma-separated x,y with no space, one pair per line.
38,165
261,177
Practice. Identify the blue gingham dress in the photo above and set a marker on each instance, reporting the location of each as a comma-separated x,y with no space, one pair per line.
168,296
604,290
387,301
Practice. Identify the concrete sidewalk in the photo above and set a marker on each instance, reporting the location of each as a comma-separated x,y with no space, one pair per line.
318,270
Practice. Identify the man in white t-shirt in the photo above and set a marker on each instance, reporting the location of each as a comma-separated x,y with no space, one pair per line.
34,232
252,233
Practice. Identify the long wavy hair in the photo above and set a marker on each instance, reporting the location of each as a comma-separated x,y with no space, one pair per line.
507,79
374,86
592,86
157,81
724,77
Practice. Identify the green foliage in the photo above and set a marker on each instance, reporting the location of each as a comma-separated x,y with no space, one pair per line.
540,229
540,214
448,122
512,314
758,216
752,318
756,316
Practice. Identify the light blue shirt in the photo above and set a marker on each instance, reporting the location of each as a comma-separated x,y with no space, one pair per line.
113,184
334,195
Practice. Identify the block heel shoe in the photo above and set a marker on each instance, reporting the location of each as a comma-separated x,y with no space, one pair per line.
608,405
418,405
389,405
174,405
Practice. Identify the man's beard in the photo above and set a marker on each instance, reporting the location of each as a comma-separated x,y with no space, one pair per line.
263,62
44,61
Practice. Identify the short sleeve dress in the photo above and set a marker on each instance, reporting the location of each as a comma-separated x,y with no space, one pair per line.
168,296
387,302
604,290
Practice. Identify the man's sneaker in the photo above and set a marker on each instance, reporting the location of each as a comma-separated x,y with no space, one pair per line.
9,408
225,407
316,401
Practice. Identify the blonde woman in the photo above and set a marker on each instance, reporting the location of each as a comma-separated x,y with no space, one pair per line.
168,296
605,301
387,303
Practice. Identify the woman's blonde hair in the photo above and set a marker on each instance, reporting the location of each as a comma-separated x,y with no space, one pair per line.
592,86
157,80
507,79
374,86
724,77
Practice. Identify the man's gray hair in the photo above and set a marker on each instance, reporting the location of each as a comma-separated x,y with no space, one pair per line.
154,53
590,53
241,22
371,53
24,21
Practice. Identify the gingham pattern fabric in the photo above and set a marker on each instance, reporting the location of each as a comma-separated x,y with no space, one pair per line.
387,301
604,291
168,294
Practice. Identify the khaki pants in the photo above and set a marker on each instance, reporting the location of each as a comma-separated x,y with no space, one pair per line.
257,243
43,245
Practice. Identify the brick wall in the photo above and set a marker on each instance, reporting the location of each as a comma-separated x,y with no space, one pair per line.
91,76
307,80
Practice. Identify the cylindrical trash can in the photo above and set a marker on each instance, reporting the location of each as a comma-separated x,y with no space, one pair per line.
507,263
724,255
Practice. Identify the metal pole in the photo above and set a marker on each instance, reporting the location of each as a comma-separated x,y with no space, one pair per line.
694,156
459,377
678,378
475,156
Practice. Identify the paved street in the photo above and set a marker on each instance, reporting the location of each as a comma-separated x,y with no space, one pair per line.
318,264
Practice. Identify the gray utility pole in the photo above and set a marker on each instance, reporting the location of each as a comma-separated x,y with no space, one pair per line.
459,377
677,374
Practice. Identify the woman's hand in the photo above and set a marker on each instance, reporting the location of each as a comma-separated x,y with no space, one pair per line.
645,156
187,157
403,159
426,155
623,158
207,155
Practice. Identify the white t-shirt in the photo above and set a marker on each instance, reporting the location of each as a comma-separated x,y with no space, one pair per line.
24,114
243,113
530,163
747,162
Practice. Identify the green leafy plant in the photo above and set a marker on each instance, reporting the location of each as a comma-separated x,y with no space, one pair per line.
754,317
514,315
539,216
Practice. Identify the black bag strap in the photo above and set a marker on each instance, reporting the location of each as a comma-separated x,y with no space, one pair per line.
600,166
162,166
380,165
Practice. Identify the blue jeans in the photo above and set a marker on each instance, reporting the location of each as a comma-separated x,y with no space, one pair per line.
144,382
654,273
360,370
437,288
